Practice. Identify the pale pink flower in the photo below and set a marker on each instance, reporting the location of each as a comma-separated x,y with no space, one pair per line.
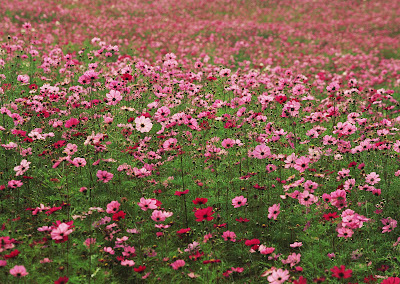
61,231
158,216
278,276
79,162
113,97
146,204
372,178
143,124
22,168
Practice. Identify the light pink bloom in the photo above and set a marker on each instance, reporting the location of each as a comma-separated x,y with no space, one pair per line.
278,276
372,178
22,168
143,124
146,204
158,216
60,232
113,98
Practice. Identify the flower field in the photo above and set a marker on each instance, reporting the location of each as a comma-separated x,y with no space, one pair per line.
229,141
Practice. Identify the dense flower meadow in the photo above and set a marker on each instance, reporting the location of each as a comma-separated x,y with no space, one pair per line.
232,141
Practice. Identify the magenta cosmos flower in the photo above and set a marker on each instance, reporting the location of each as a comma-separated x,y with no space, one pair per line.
104,176
143,124
18,271
71,123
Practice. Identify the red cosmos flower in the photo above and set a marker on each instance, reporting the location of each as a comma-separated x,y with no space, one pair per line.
391,280
211,78
119,215
341,272
180,193
140,269
200,200
330,216
183,231
301,280
196,255
33,86
252,242
62,280
13,254
211,261
126,77
241,220
204,214
281,99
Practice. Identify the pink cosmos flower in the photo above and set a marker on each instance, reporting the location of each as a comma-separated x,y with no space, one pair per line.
372,178
18,271
22,168
104,176
338,198
278,276
292,259
262,151
143,124
146,204
112,207
70,149
239,201
79,162
61,231
178,264
229,236
306,198
228,143
296,244
71,123
274,211
158,216
14,183
345,232
301,164
113,98
24,79
265,250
